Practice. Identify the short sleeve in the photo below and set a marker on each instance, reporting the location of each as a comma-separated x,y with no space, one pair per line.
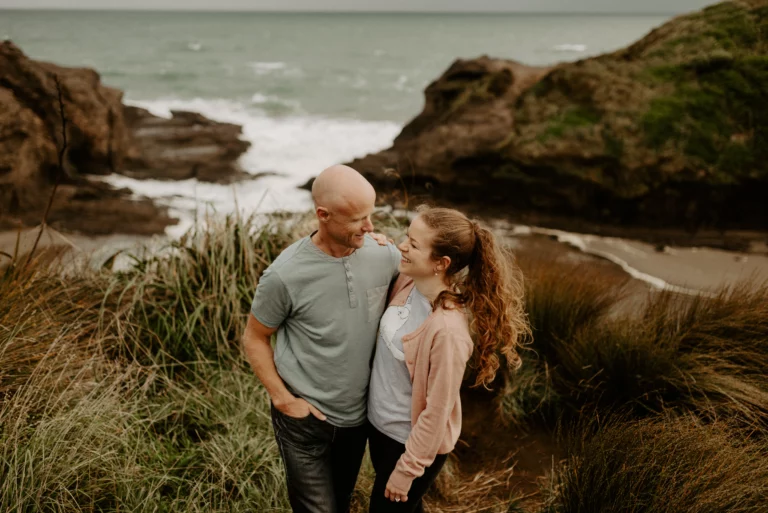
395,256
271,303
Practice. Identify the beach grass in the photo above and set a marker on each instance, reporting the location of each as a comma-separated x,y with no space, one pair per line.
659,465
705,355
126,390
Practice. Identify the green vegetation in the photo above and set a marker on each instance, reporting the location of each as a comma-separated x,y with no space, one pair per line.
126,390
461,91
614,146
187,303
663,467
717,115
716,111
572,118
702,356
661,405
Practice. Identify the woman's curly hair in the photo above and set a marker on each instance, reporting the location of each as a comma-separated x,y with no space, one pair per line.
486,281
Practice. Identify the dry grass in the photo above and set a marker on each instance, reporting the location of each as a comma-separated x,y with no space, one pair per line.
706,355
126,390
660,466
48,321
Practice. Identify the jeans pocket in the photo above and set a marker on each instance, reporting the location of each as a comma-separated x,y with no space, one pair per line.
301,434
377,299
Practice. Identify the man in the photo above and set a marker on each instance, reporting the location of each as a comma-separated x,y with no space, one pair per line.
323,296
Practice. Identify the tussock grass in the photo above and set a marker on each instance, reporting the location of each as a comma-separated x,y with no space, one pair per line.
126,390
187,302
48,321
670,466
136,440
562,300
706,355
95,414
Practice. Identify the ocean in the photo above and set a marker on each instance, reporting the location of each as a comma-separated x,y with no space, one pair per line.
310,90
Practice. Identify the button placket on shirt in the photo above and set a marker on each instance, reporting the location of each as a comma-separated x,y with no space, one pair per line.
350,283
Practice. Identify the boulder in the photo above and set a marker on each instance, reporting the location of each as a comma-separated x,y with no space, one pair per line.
188,145
669,132
102,137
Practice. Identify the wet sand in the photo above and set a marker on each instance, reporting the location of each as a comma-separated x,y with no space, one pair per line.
682,269
687,270
97,248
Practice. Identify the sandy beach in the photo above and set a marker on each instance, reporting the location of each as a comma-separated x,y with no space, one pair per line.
685,270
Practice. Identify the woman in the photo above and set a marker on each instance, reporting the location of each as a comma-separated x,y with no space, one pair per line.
452,270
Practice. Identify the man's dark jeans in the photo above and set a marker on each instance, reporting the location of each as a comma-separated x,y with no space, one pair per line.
321,462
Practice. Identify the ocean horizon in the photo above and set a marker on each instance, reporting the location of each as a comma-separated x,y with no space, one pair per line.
360,12
309,89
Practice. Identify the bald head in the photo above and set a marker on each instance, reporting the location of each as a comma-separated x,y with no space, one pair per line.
341,187
344,203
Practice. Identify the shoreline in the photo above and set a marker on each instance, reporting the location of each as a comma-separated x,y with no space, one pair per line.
686,270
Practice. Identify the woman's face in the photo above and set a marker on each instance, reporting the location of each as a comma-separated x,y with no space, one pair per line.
417,251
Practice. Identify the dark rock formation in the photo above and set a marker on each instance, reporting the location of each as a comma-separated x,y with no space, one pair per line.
103,137
186,146
669,132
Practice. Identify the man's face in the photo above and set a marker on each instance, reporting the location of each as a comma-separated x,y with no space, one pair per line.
348,223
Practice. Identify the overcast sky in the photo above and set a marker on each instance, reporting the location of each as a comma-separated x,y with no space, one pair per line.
569,6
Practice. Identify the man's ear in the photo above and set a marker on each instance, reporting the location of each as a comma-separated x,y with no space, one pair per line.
322,214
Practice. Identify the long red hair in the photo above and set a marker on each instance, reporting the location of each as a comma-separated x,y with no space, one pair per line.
485,280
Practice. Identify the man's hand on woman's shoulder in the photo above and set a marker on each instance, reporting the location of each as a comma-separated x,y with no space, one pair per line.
382,239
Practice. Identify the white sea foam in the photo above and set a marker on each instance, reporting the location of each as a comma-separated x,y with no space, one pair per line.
260,98
265,68
568,47
195,46
296,147
263,99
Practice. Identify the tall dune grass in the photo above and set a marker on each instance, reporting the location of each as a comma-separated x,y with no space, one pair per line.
655,466
127,391
188,301
706,355
135,440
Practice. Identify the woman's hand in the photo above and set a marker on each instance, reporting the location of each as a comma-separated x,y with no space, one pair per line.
395,494
381,239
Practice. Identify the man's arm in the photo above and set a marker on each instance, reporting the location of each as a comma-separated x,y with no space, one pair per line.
258,351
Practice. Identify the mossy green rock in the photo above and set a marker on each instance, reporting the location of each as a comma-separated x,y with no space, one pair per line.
671,131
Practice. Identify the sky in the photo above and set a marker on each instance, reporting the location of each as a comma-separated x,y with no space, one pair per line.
566,6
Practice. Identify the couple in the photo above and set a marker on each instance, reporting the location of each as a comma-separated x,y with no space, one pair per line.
372,345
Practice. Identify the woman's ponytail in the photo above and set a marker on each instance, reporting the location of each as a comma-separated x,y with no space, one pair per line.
491,288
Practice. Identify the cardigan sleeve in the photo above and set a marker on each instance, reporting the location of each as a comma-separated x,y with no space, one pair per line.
447,361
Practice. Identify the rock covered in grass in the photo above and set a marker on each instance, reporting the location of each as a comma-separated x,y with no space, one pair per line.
671,131
103,136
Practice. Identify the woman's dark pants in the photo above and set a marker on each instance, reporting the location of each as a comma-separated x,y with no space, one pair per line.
384,454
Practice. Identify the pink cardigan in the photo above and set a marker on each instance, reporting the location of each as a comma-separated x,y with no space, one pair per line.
436,355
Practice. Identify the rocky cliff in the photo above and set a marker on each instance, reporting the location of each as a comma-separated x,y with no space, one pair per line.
669,132
103,137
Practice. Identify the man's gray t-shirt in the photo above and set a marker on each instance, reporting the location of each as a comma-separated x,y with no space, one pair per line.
327,312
